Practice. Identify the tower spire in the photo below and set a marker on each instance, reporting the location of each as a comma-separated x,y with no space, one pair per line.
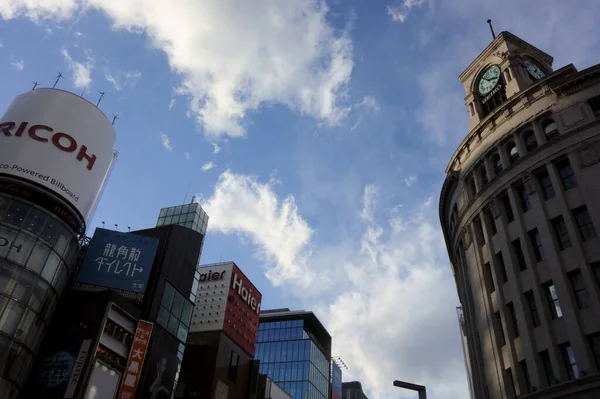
489,21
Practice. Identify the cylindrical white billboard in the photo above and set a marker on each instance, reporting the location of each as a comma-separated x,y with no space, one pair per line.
60,141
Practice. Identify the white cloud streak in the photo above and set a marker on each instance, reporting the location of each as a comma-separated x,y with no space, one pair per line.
18,65
233,57
166,142
208,166
187,155
216,148
81,71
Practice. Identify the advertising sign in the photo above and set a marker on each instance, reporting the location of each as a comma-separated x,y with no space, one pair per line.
336,380
59,141
52,374
79,363
161,366
118,260
135,362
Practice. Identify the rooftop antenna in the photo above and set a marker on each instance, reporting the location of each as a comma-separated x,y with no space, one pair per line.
489,21
58,77
187,190
193,198
129,228
116,227
100,99
102,224
115,117
82,92
35,84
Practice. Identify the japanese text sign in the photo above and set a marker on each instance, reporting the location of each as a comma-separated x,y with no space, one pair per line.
118,260
135,362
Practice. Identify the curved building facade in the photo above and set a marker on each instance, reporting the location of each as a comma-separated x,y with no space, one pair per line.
55,154
520,212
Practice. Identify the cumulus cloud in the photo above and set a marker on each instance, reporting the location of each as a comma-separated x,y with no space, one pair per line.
81,71
386,296
18,65
233,58
166,142
208,166
243,205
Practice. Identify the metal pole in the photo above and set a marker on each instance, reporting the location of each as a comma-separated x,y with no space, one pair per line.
413,387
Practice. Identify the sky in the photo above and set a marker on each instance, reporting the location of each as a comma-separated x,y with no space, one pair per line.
315,135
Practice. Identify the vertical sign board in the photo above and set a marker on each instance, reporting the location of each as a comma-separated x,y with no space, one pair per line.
118,260
135,362
79,363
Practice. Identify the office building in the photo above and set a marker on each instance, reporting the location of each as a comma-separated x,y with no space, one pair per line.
267,389
294,350
520,212
353,390
336,377
56,151
220,349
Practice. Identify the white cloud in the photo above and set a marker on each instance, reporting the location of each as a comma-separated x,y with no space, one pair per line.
171,103
18,65
242,205
187,155
369,102
234,58
399,13
81,71
396,14
387,297
112,80
1,44
216,148
208,166
409,181
133,75
166,142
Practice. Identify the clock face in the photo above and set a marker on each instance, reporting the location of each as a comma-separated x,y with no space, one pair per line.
489,80
534,70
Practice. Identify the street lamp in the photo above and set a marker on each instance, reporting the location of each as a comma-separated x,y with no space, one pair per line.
413,387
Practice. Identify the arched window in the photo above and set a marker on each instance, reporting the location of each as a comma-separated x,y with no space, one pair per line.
530,141
511,148
471,186
497,162
550,129
483,175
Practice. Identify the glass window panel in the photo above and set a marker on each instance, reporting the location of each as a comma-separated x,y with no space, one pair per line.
195,287
38,257
163,212
185,208
161,221
189,225
50,232
182,332
186,314
7,237
173,325
35,220
177,306
17,213
170,211
38,294
9,275
24,287
11,317
63,238
177,210
25,325
163,317
51,267
4,205
20,248
60,278
168,219
168,295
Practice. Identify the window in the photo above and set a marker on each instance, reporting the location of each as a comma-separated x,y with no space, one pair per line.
513,319
489,218
524,200
530,141
489,280
497,162
483,175
512,150
479,231
546,183
569,360
579,289
175,313
499,329
594,341
501,267
525,374
510,382
510,216
234,359
516,244
584,223
547,366
536,243
594,103
552,299
471,187
471,109
550,129
533,312
560,230
567,176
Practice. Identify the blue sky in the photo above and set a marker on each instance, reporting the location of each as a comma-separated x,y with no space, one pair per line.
315,134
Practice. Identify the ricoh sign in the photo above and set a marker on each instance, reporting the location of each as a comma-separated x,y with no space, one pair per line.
59,141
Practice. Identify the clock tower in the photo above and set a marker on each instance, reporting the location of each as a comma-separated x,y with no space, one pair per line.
506,67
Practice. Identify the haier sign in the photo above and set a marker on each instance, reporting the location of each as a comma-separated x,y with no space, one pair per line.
118,261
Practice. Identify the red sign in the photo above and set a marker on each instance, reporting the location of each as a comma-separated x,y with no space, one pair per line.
135,362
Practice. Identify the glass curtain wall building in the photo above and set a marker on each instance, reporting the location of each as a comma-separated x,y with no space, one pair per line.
295,352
